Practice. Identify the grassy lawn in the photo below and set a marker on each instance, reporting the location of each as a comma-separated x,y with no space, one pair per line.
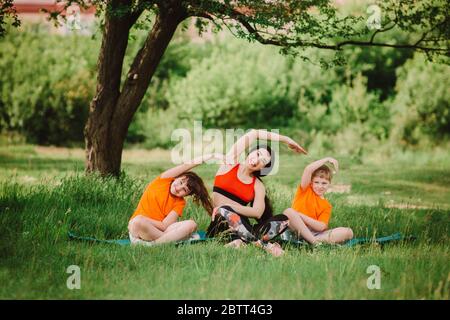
44,194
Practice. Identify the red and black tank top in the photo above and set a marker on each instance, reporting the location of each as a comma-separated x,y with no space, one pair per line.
230,186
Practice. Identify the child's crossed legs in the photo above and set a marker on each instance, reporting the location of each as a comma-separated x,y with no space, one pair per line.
142,228
336,235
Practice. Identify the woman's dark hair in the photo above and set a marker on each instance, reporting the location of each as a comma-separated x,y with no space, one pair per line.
268,209
268,167
199,193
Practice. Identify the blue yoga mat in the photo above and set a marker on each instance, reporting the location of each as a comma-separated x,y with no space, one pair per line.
381,240
200,236
122,242
356,241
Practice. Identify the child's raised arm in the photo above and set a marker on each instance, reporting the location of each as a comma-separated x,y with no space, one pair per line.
310,168
182,168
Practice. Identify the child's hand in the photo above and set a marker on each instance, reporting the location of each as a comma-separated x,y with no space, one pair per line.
334,162
295,146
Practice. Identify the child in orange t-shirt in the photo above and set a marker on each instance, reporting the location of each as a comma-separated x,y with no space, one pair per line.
310,212
155,218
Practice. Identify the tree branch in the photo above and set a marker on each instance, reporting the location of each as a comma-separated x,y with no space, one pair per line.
208,17
397,46
380,31
242,19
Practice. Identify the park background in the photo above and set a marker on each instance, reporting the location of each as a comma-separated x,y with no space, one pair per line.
384,115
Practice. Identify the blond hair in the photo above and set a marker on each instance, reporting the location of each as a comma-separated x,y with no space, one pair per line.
322,172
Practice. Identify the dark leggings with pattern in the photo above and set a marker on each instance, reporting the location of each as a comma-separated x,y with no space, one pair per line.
264,230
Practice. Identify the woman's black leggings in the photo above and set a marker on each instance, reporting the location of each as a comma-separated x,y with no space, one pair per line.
264,230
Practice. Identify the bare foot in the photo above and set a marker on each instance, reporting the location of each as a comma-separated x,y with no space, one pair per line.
235,244
272,248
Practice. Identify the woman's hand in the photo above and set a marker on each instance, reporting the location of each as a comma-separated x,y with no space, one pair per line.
295,146
214,213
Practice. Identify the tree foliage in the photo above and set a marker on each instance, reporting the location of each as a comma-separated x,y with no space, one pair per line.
46,83
8,15
291,25
422,104
236,88
294,25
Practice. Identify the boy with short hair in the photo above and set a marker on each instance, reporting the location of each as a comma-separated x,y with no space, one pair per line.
310,211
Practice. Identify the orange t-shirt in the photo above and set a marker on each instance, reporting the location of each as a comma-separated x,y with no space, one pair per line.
157,201
309,203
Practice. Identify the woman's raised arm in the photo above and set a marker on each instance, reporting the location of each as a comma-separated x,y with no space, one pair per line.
182,168
247,139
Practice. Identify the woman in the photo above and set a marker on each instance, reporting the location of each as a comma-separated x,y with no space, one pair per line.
238,185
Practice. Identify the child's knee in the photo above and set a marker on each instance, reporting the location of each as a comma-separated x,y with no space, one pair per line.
346,233
191,225
288,212
135,225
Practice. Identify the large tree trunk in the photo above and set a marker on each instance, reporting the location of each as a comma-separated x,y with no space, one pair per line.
112,109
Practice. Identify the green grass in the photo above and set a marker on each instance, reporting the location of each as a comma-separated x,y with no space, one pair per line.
44,193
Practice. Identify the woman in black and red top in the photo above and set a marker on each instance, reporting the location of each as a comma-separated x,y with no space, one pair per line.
239,193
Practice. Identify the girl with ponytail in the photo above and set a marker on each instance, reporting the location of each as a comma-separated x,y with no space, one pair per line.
155,219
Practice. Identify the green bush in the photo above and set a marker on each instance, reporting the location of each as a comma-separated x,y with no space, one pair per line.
421,108
335,110
378,64
156,126
236,88
46,84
